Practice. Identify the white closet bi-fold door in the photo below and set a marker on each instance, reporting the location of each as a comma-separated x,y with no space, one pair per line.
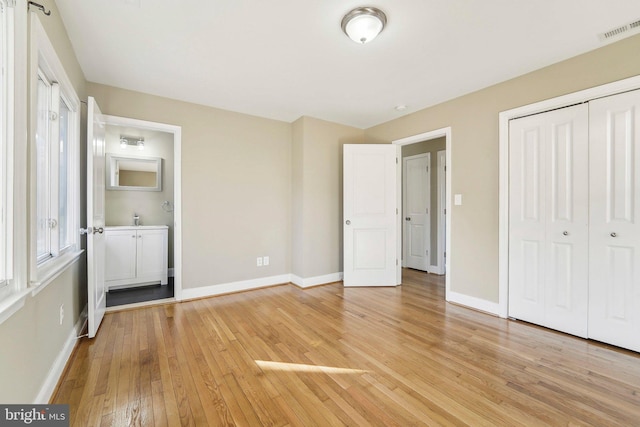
574,219
548,217
614,220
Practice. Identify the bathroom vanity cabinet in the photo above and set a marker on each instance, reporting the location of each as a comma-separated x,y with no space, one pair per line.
136,256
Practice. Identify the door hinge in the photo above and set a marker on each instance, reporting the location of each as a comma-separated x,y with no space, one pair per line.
396,160
396,261
396,211
445,212
427,210
427,168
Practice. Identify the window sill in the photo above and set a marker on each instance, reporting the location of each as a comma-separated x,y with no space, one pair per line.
12,303
51,269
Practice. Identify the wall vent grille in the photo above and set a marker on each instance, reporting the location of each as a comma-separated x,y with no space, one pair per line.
621,32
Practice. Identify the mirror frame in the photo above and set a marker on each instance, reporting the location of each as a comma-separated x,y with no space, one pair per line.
111,160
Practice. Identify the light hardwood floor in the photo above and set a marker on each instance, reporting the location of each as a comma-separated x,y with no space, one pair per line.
334,356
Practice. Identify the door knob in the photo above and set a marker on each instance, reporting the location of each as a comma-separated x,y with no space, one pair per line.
565,233
613,234
408,218
348,222
98,230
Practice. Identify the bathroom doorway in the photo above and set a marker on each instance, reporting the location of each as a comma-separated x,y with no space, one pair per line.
142,196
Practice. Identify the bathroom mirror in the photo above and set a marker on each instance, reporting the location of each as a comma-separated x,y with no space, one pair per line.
133,173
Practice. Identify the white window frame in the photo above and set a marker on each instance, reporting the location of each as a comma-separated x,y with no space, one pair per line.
6,154
44,60
14,151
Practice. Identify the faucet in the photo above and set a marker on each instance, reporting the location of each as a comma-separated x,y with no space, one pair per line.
136,219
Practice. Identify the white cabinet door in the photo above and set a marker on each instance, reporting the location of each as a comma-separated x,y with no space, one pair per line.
614,261
370,214
548,223
152,254
417,211
120,254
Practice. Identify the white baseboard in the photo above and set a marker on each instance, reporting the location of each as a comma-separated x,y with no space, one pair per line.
226,288
171,272
315,281
473,302
55,372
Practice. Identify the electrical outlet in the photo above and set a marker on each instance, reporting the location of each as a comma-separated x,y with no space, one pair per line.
61,313
259,261
265,260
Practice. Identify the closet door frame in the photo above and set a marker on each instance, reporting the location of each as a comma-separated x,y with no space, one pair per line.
586,95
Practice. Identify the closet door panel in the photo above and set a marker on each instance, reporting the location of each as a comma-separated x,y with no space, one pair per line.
526,220
549,219
567,234
614,259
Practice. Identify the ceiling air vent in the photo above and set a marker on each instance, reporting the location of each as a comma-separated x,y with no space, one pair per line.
621,32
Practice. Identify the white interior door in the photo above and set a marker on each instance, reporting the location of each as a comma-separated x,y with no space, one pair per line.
614,259
548,219
95,216
370,214
417,211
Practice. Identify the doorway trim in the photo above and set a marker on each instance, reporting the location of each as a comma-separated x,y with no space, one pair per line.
504,117
177,187
442,209
414,139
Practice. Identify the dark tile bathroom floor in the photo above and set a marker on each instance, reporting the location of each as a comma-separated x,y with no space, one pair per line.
140,294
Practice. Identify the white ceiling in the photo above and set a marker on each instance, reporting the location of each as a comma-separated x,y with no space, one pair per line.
283,59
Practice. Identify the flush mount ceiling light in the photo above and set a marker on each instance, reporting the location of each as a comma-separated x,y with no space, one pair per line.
363,24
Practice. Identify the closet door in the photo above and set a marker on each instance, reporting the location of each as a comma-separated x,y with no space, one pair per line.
548,219
614,258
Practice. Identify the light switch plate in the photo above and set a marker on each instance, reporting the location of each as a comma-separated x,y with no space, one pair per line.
457,199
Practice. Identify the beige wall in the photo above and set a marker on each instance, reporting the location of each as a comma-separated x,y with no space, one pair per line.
236,186
317,195
120,205
432,147
32,338
474,166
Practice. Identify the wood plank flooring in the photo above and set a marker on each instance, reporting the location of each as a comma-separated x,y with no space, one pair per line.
330,356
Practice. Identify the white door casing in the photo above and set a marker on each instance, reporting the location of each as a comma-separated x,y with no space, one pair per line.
97,297
370,214
176,132
416,212
548,235
614,234
442,210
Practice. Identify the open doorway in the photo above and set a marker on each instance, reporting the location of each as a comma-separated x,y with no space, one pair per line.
434,148
142,208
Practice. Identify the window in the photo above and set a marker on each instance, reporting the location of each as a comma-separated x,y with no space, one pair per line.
53,188
56,118
6,176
